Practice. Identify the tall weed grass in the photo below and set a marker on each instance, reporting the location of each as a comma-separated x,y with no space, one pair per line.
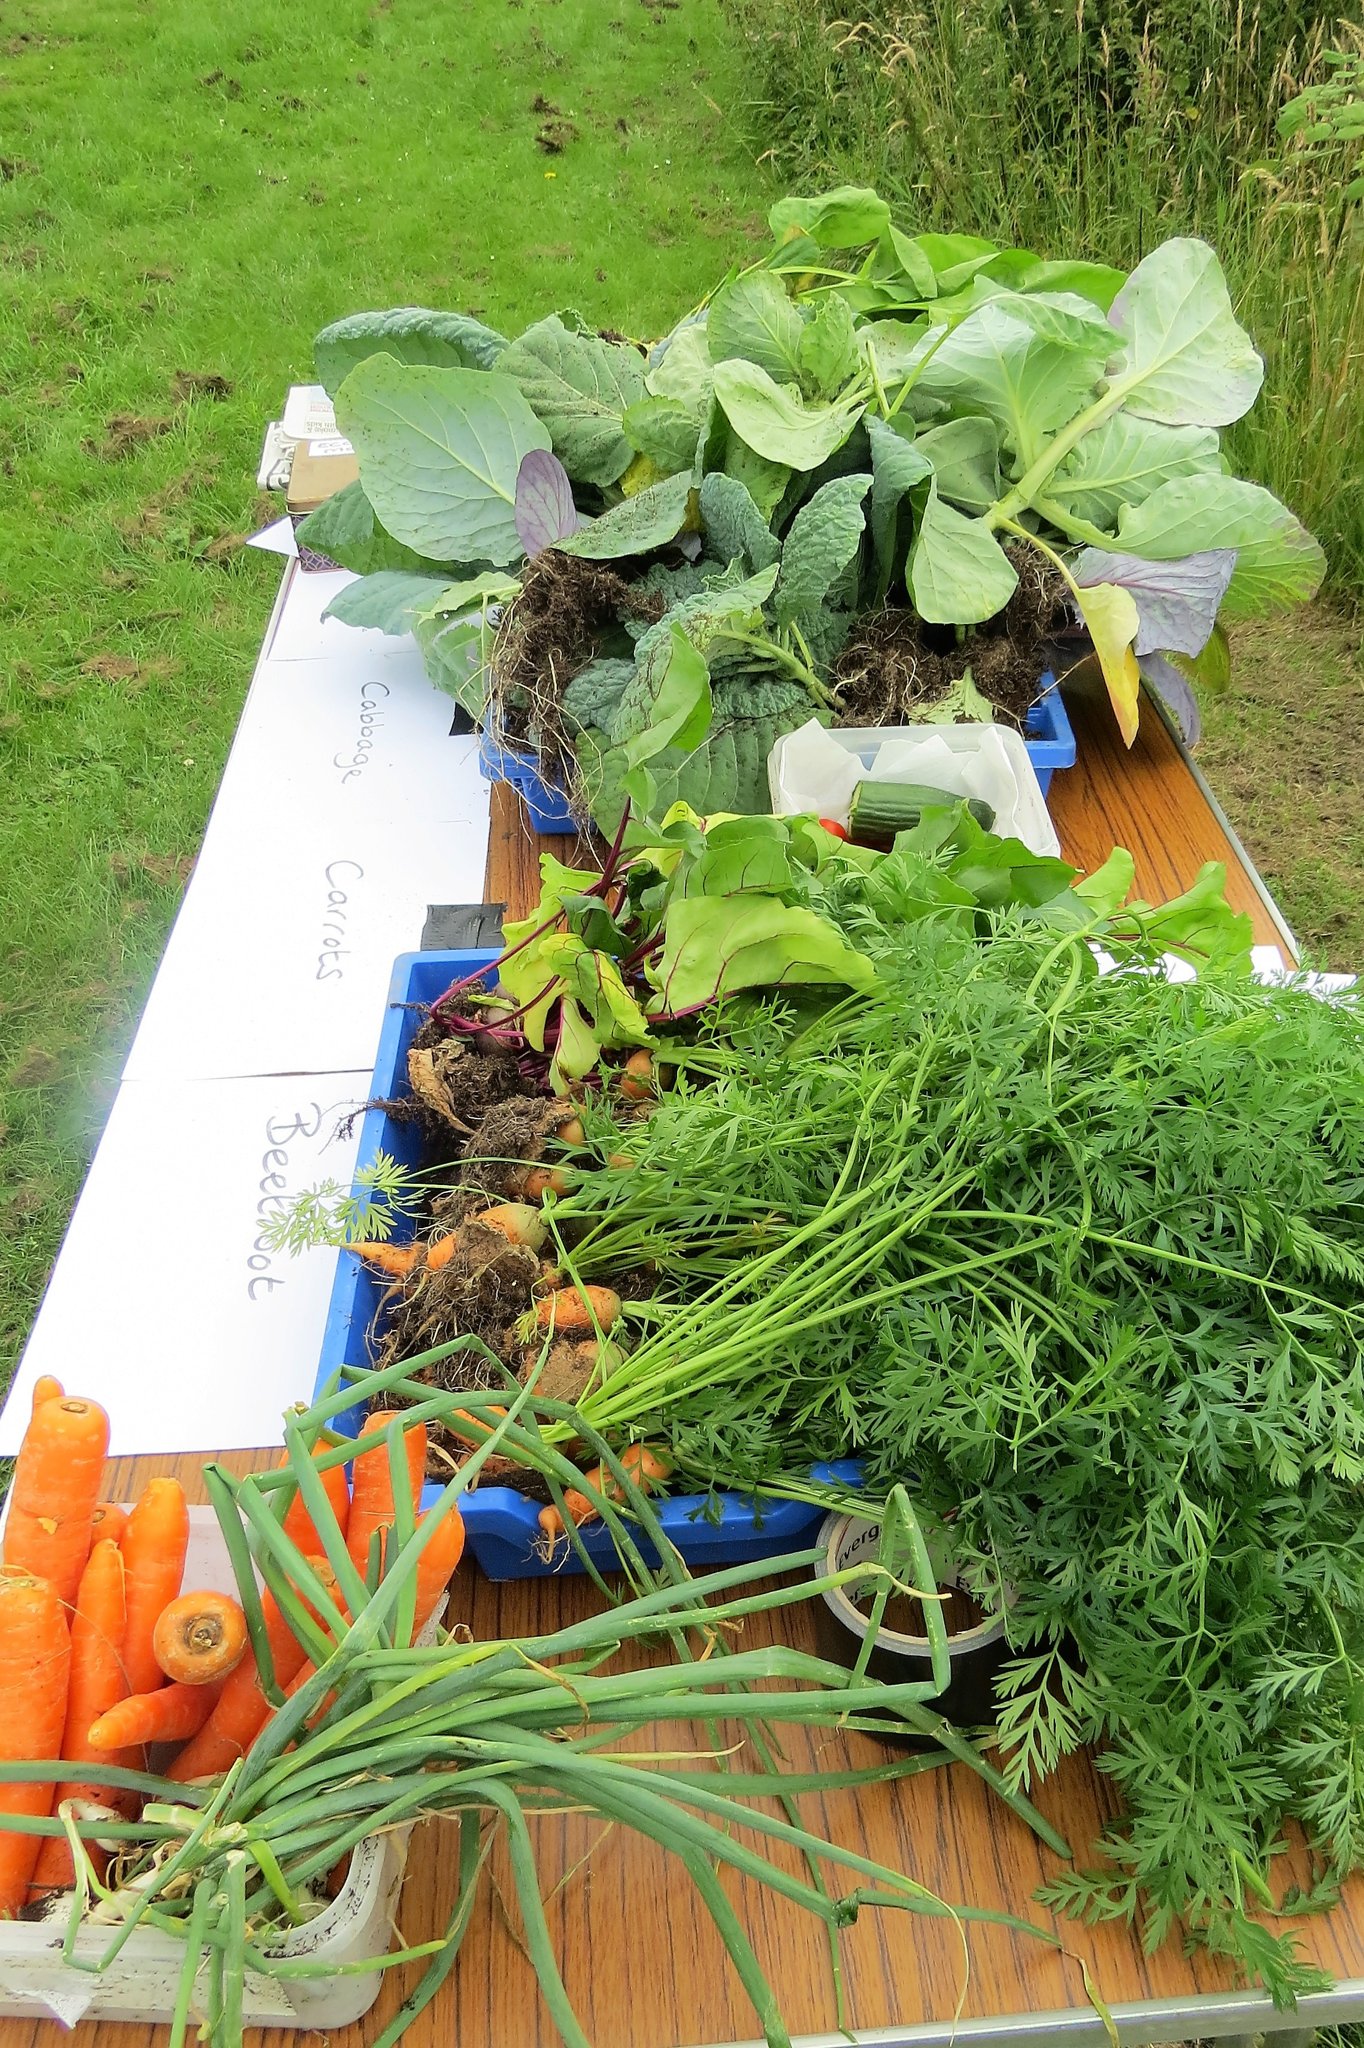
1098,130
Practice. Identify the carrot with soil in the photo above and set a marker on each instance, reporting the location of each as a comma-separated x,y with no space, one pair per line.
199,1637
395,1261
578,1310
644,1465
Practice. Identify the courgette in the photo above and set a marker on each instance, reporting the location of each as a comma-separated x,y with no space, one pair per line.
881,809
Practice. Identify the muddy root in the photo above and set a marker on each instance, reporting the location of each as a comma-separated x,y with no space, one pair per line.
896,667
552,630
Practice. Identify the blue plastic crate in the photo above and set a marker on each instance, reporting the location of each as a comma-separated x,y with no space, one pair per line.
1048,734
500,1524
545,801
1048,737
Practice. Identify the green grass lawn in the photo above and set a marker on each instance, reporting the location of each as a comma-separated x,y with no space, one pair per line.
186,194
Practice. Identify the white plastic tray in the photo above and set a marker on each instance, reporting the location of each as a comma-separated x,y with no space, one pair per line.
816,768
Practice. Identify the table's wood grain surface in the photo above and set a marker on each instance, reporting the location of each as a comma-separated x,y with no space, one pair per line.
640,1958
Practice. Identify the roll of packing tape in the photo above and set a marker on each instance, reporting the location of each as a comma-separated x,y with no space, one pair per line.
976,1654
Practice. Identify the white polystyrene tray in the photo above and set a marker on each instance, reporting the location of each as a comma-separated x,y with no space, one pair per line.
141,1984
816,768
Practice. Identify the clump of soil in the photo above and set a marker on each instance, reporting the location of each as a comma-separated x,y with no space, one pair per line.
460,1082
896,666
565,610
565,1372
511,1136
479,1292
457,1083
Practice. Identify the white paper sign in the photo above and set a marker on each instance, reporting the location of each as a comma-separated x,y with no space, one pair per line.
346,808
281,959
278,538
302,634
197,1335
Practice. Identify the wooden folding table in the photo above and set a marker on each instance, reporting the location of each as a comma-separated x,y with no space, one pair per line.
641,1961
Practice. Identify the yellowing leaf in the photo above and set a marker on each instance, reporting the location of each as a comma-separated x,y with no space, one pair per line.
1110,612
642,472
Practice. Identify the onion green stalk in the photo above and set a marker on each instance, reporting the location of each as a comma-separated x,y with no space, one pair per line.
388,1732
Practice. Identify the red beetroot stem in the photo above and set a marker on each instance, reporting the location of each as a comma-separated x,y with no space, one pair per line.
607,876
480,973
599,888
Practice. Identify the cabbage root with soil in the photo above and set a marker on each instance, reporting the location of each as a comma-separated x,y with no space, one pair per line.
875,477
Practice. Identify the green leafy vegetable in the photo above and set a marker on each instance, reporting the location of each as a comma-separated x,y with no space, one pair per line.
822,540
345,530
734,526
440,451
1184,360
386,600
774,420
410,334
635,526
958,572
578,387
712,947
753,318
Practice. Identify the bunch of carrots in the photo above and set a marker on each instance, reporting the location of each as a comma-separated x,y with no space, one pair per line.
104,1654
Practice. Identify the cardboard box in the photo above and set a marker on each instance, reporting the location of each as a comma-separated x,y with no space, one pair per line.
318,471
307,459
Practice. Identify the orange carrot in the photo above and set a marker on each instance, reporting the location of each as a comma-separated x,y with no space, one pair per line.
154,1547
298,1523
436,1567
578,1308
199,1637
325,1574
56,1486
472,1428
35,1666
45,1388
638,1080
519,1222
439,1254
171,1714
242,1709
109,1520
371,1499
535,1182
394,1260
644,1465
97,1683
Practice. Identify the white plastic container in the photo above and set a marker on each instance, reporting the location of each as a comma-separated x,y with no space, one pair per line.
817,769
141,1984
